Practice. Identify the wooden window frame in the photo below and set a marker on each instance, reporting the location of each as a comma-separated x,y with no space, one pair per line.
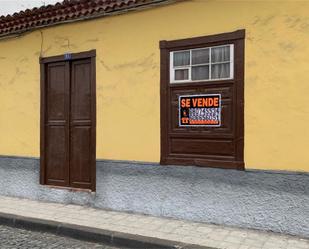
166,47
91,54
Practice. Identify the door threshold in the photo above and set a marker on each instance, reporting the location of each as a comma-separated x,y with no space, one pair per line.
71,189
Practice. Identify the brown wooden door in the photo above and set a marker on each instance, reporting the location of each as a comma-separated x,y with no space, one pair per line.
57,124
214,146
68,136
81,149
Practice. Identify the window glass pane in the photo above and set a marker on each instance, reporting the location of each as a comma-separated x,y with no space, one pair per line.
200,73
220,54
219,71
181,74
181,58
200,56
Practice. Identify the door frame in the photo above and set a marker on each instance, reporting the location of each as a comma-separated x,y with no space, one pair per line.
238,37
91,54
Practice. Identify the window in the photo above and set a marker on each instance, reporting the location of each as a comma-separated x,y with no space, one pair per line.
196,66
202,64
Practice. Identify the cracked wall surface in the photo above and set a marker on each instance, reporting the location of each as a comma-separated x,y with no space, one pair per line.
128,76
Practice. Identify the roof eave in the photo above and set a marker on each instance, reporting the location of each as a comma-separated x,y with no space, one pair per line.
138,7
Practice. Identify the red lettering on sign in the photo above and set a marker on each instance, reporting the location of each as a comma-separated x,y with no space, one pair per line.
216,102
187,102
205,102
183,103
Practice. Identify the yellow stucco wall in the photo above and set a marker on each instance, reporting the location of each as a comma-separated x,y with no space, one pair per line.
276,78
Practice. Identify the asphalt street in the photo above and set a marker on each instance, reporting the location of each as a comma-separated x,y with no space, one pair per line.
23,239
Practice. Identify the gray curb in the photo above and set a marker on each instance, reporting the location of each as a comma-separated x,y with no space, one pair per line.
93,234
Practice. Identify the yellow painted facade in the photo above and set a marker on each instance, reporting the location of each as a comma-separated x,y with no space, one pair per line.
128,76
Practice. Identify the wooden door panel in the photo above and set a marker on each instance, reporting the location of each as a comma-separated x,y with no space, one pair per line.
56,155
80,156
81,125
56,92
227,114
56,124
81,90
226,90
203,142
202,147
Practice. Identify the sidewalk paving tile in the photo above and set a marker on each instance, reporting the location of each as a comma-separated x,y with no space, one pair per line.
202,234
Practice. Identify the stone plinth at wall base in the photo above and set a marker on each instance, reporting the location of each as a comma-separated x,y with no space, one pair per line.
266,200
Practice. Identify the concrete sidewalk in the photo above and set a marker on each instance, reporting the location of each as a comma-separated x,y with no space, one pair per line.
153,227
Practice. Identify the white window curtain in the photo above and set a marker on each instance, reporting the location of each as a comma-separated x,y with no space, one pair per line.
219,71
181,58
220,54
220,58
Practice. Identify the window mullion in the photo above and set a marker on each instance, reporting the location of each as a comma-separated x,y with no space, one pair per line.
209,72
231,61
172,68
190,66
